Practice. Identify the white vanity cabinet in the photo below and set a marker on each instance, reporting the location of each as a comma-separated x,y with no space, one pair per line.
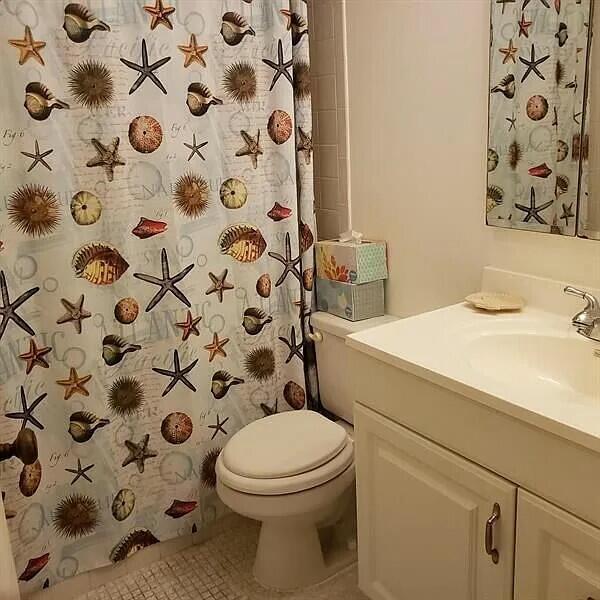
423,514
557,556
457,410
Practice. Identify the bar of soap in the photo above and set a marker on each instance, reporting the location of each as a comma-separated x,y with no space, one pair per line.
495,301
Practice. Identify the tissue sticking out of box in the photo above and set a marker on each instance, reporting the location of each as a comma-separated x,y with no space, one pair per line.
351,236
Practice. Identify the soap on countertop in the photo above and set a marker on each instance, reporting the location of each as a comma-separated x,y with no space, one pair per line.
495,301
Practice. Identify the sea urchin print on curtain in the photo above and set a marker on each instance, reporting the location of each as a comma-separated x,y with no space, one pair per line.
538,60
155,262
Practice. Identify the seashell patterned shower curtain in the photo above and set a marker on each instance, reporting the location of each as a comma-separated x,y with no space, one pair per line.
155,261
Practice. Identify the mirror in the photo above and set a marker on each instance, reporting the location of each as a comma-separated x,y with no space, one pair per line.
539,64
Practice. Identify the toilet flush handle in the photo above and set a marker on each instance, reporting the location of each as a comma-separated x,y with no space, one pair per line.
315,336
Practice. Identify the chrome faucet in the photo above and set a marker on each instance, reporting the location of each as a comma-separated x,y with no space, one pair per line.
587,321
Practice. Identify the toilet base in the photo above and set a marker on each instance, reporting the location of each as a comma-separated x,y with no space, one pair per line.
289,555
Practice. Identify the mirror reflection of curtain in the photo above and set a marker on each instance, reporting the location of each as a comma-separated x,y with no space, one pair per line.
589,216
538,59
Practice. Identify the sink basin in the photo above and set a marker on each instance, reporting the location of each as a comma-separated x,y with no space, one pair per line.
532,364
556,365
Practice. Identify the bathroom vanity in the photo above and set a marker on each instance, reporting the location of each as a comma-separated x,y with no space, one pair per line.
478,452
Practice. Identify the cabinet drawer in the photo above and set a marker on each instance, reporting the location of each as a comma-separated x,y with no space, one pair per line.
422,514
557,555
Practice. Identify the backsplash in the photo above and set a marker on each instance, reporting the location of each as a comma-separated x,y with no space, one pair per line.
328,74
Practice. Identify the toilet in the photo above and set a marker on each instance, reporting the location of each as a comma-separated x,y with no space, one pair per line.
292,470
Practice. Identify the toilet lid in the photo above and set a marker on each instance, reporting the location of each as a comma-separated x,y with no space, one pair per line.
283,445
278,486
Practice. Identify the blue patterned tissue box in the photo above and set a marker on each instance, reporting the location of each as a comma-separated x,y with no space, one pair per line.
351,261
350,301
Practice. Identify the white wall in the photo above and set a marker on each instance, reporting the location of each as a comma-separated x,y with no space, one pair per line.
418,85
571,260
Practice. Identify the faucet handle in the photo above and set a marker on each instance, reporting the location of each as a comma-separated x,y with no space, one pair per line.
592,302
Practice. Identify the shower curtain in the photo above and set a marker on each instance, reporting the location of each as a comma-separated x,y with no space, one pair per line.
155,261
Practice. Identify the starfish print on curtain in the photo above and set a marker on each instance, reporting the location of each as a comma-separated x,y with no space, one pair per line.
166,283
193,52
218,427
280,67
216,347
195,148
74,384
146,70
252,147
28,47
26,413
38,157
80,471
8,308
178,374
35,356
160,14
75,313
107,157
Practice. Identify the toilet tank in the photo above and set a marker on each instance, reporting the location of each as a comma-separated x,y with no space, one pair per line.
335,388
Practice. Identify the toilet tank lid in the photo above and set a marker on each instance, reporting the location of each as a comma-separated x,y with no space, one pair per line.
342,327
284,445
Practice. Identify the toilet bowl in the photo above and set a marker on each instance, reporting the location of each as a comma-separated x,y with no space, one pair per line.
288,471
294,471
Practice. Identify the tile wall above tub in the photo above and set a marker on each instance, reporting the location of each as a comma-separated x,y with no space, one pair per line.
328,74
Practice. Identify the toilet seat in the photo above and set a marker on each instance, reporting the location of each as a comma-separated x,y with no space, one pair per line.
287,485
285,453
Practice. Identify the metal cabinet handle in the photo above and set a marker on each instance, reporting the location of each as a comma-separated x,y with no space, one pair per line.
489,534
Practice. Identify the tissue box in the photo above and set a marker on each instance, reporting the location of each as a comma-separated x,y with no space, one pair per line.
351,262
350,301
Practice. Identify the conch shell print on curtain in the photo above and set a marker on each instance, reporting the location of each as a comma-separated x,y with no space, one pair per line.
155,234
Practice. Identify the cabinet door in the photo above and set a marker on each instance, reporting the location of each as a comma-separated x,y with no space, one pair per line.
557,556
422,513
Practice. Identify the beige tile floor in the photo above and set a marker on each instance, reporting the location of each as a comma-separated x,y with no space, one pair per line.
220,569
